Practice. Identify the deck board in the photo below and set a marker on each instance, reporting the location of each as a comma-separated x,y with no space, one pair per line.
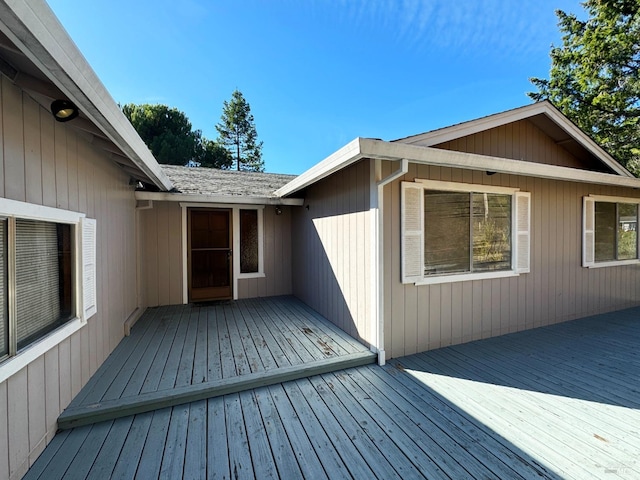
549,403
217,442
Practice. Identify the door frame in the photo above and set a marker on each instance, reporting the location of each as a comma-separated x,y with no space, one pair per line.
188,279
235,208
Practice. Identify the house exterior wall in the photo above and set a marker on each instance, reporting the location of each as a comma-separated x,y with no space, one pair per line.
332,250
47,163
277,257
162,255
161,239
557,289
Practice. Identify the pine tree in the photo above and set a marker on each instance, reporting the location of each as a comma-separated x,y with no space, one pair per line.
237,133
595,76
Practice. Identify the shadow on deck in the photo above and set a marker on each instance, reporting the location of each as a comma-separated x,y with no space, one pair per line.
181,354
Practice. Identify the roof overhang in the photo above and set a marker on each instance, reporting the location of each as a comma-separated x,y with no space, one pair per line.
362,148
221,199
34,29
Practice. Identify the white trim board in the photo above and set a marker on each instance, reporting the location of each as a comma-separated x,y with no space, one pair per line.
14,364
230,200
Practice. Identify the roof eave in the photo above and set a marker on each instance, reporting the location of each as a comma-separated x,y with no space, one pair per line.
338,160
216,199
378,149
34,29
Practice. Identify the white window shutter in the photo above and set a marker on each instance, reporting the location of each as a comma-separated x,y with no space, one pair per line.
412,218
522,248
89,297
588,231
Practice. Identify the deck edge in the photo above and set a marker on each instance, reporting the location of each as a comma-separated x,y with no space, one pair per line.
109,410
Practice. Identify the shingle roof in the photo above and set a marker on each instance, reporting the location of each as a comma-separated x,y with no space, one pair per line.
211,181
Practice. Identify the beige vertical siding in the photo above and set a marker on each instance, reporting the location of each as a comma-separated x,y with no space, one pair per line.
331,250
521,140
162,266
45,162
277,257
162,253
558,289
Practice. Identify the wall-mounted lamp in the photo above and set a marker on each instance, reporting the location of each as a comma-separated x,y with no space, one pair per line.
278,211
490,173
307,206
64,110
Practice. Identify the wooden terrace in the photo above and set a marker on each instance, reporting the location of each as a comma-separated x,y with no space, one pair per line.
179,354
561,401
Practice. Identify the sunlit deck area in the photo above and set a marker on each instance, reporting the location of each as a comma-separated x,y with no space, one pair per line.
557,402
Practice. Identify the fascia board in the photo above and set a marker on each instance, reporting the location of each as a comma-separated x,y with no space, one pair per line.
222,199
377,149
33,27
340,159
470,127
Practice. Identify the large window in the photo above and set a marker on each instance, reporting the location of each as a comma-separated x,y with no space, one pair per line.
454,232
610,231
466,232
47,272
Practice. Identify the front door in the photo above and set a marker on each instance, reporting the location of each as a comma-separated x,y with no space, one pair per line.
209,254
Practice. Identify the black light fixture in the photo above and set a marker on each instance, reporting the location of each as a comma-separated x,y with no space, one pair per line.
64,110
278,210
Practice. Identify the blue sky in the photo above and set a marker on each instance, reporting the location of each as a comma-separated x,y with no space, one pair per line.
319,73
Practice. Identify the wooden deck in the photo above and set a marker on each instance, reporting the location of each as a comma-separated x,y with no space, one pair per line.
556,402
180,354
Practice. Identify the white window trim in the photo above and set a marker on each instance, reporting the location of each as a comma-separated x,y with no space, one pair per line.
470,276
608,199
465,277
17,209
13,365
465,187
236,242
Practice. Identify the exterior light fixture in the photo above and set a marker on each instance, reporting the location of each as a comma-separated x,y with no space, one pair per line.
278,211
64,110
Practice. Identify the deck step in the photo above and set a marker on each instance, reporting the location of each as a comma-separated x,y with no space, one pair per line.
146,402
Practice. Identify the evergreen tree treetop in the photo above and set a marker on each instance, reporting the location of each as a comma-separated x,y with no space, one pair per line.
595,76
237,133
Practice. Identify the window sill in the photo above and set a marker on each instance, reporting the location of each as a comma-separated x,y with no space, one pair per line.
615,263
466,277
16,363
250,275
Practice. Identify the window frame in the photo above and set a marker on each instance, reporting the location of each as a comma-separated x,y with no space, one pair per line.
520,233
236,241
588,231
83,282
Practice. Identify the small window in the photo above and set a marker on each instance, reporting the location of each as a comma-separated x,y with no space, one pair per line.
249,250
455,232
610,231
248,241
